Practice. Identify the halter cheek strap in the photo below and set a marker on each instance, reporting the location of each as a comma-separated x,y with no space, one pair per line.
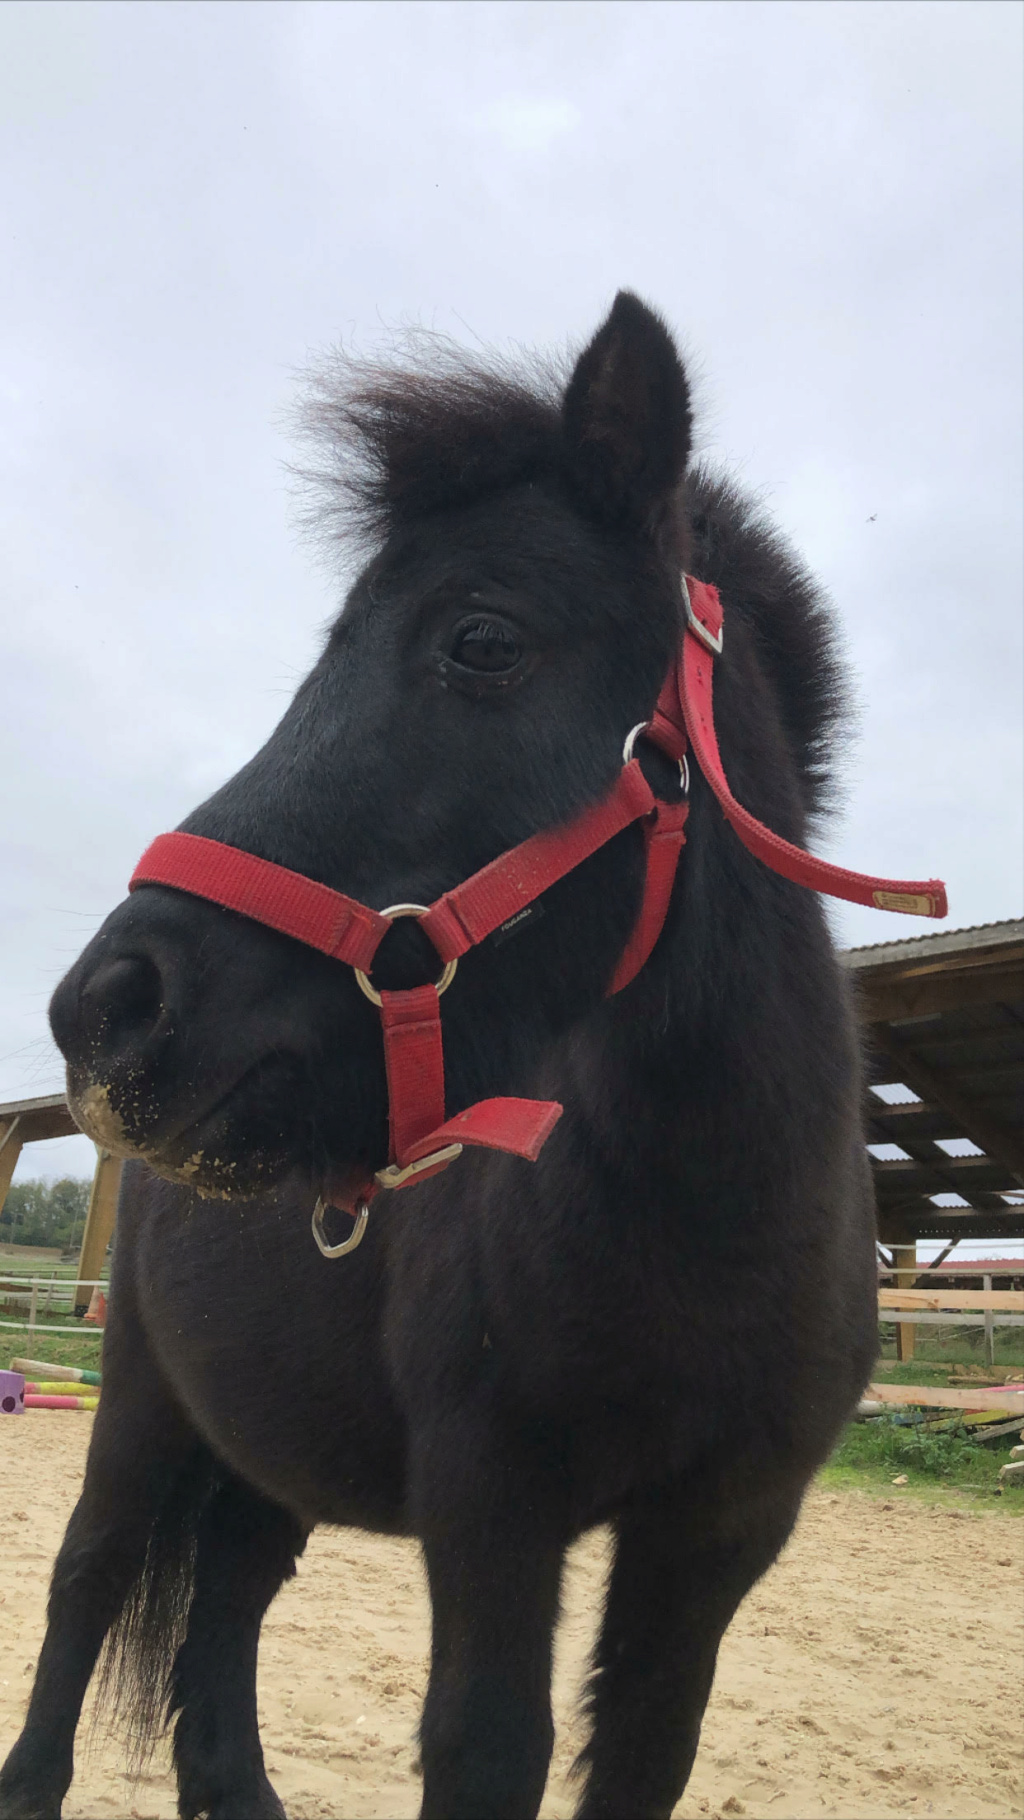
702,643
421,1140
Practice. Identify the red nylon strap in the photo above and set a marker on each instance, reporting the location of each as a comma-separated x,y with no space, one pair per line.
913,897
522,1127
664,837
415,1067
473,910
283,900
666,727
519,1127
415,1070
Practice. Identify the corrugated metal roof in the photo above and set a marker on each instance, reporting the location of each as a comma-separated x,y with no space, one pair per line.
943,941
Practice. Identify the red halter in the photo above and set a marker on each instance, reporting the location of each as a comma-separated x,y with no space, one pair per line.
422,1141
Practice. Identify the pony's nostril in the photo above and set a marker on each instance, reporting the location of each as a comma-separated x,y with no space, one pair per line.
123,996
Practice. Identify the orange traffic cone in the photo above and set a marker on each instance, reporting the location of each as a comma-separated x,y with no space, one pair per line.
97,1309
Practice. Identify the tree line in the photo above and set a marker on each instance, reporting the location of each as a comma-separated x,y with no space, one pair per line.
45,1213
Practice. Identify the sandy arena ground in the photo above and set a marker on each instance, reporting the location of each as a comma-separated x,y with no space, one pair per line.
875,1671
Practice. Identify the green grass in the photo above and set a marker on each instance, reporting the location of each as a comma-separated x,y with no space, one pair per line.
916,1371
13,1264
56,1349
871,1454
50,1330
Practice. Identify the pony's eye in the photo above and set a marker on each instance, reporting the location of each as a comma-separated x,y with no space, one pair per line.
487,647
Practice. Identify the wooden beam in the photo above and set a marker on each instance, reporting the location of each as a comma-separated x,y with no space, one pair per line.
990,1135
920,1220
46,1116
950,1317
886,1001
905,1260
933,1263
909,1122
940,1173
10,1150
99,1225
1008,1301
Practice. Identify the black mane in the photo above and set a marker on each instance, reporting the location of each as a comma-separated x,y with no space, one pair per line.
736,546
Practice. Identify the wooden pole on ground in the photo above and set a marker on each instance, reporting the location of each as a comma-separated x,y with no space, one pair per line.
99,1225
904,1259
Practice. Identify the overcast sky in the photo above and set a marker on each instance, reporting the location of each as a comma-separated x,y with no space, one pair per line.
823,199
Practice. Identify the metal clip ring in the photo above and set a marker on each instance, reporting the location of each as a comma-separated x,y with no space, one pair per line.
392,913
355,1237
627,754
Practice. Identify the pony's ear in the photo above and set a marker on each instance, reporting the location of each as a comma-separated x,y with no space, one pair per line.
626,417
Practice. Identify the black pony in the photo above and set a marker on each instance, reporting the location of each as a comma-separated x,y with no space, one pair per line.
663,1323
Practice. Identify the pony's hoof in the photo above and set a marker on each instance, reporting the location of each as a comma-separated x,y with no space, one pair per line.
259,1804
15,1806
270,1808
19,1800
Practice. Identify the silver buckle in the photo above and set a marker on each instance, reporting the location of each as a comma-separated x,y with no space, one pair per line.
713,640
395,1177
355,1237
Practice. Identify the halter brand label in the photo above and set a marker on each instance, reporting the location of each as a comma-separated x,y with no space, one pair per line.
516,924
912,903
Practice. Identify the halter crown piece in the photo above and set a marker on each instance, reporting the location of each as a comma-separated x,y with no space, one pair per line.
422,1140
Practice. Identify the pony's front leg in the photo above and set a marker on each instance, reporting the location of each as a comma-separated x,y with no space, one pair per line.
489,1509
141,1453
683,1562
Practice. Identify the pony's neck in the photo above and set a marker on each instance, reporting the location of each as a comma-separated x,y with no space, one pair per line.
738,1019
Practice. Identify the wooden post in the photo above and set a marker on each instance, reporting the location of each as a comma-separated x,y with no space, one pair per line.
904,1258
99,1224
33,1307
990,1326
10,1150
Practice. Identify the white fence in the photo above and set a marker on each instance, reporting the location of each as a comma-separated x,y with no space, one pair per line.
41,1295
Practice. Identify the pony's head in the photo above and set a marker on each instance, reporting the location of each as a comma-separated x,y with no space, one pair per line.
515,618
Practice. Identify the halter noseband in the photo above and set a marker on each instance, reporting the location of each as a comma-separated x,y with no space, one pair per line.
421,1140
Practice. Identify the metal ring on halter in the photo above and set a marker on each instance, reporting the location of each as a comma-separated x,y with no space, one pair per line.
355,1237
392,913
627,753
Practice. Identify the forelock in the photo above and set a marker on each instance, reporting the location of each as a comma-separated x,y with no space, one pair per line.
385,443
